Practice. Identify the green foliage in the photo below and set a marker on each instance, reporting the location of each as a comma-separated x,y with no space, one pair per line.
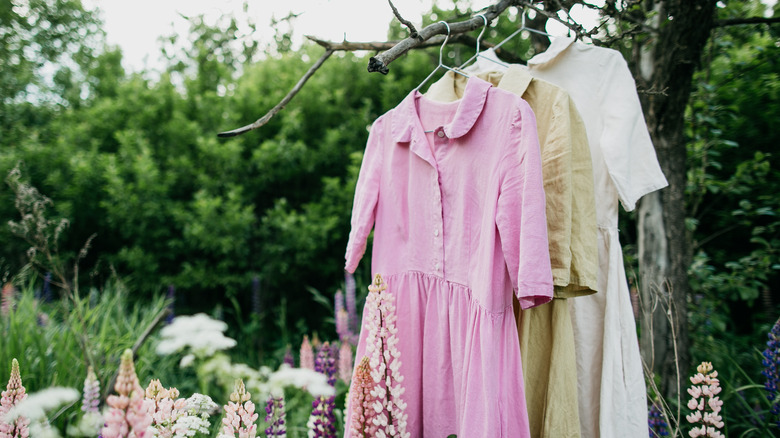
733,181
733,176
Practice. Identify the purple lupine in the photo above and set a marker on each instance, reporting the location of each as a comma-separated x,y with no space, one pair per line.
257,306
46,294
276,417
771,362
90,401
326,364
322,422
172,298
349,287
342,317
288,357
656,422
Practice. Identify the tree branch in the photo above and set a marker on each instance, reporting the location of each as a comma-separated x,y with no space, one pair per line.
466,40
412,30
263,120
749,20
380,62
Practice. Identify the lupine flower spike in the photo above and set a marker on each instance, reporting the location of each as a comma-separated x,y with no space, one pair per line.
276,417
90,401
164,407
325,364
92,420
13,394
7,299
345,362
705,403
656,422
171,296
385,360
240,414
129,412
307,354
288,358
322,422
771,371
352,320
361,402
342,318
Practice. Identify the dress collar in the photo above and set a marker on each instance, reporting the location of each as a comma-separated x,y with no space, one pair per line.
516,79
470,107
558,45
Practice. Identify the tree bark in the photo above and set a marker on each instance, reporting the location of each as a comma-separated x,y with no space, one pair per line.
666,64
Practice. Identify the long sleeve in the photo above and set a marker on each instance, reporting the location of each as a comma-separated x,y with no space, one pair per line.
520,216
366,197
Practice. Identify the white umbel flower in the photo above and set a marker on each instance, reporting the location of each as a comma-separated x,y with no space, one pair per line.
35,406
202,334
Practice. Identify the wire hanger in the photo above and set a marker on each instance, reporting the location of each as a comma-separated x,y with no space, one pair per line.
479,38
441,64
522,28
486,55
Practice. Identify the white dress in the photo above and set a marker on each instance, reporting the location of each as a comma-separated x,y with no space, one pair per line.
611,385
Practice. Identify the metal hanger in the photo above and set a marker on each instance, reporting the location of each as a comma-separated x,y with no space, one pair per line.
479,38
522,28
441,64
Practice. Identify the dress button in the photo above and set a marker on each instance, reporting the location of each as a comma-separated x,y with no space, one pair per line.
436,233
440,134
438,266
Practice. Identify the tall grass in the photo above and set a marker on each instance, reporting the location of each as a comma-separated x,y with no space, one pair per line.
56,342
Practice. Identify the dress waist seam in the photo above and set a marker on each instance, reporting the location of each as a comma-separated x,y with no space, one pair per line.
470,297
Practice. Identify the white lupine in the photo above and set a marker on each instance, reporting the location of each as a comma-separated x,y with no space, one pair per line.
385,361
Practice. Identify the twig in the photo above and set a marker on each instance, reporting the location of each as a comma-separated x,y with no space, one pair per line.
466,40
380,62
150,328
263,120
412,30
577,28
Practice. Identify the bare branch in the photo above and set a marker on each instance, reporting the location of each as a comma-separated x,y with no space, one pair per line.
466,40
749,20
263,120
412,30
380,62
577,28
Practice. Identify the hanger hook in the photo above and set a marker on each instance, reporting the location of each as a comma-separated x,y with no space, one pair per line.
441,49
522,18
479,38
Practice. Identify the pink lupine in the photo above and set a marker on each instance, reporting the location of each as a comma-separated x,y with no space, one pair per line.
240,415
7,299
361,401
13,394
345,362
128,416
164,408
307,354
705,403
385,360
342,326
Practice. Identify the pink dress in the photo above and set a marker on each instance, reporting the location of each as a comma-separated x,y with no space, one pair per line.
459,225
